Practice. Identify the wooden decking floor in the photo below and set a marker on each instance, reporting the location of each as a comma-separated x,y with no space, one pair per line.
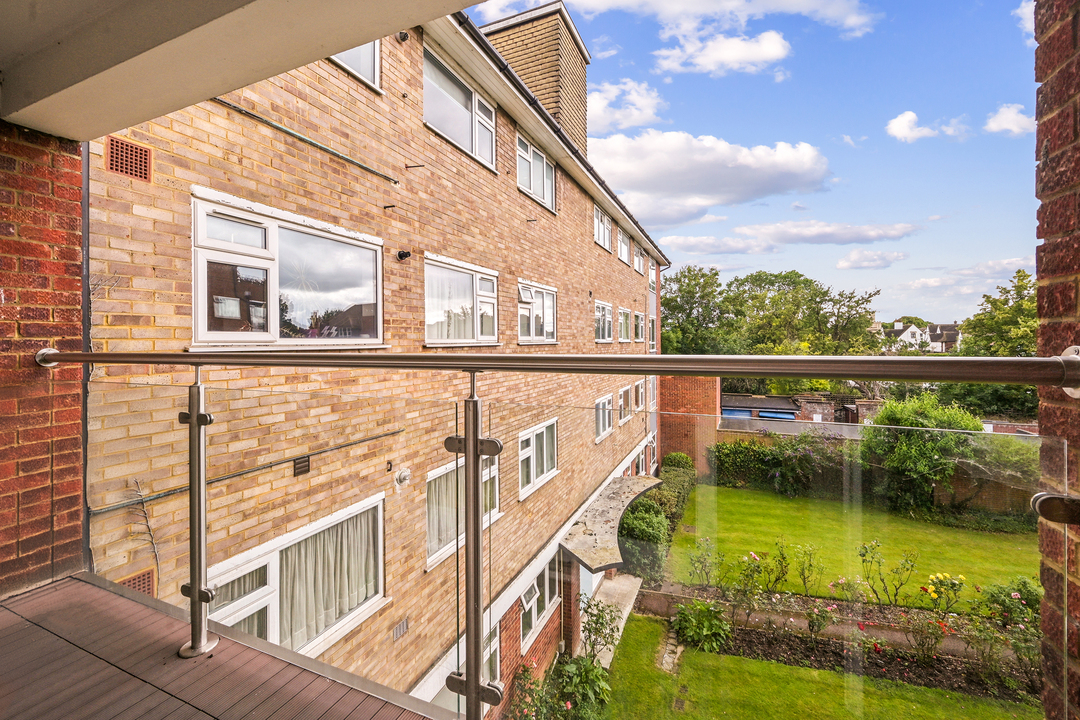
73,650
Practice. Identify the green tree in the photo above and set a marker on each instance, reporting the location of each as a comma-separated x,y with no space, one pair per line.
695,314
1005,326
906,441
912,320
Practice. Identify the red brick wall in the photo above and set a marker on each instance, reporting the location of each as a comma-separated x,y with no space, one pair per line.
689,410
41,477
1057,68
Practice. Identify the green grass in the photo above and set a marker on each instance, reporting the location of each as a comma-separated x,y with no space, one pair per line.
723,686
741,521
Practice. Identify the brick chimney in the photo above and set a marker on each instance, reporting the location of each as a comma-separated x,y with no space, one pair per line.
543,47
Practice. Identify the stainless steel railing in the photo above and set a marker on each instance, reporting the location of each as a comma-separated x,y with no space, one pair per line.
1062,371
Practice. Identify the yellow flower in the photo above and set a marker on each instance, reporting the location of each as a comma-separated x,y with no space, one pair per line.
948,575
933,595
931,588
961,577
939,576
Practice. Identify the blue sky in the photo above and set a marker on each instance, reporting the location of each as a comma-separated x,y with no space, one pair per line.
865,144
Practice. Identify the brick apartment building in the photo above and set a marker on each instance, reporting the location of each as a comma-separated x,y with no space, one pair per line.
399,197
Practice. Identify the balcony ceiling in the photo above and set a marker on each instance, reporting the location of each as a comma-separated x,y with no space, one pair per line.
81,69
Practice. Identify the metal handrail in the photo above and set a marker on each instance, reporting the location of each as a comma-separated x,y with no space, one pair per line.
1061,371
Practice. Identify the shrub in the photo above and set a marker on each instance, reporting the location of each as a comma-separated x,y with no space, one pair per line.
643,539
943,591
886,586
675,488
820,617
925,636
774,569
1015,602
702,625
787,465
747,586
808,567
986,641
599,625
582,682
738,464
703,561
679,460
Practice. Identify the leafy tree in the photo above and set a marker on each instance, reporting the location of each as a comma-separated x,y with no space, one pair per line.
906,441
694,310
912,320
1005,326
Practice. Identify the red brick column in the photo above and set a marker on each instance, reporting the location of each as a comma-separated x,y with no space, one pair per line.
41,476
689,411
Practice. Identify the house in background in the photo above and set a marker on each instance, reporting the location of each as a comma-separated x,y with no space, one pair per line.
904,336
407,195
944,337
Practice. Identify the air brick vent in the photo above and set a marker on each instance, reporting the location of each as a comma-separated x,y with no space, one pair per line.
142,582
301,466
127,158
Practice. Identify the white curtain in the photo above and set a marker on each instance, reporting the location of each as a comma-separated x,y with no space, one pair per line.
448,299
444,495
326,576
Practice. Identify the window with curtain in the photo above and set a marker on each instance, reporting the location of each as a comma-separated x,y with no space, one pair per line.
446,504
624,325
459,305
302,588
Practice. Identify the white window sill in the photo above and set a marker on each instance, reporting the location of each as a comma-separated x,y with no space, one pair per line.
601,245
453,142
356,76
624,341
603,342
538,627
307,347
448,551
601,438
536,485
464,343
538,342
537,200
626,419
344,626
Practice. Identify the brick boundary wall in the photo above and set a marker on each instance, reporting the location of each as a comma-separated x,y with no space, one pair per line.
41,475
689,411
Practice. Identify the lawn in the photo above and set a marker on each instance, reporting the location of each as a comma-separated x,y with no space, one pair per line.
719,685
741,521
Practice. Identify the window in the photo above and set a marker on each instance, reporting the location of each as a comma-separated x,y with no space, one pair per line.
361,62
653,391
652,275
536,175
626,408
489,671
539,601
536,313
639,463
639,259
538,456
281,279
455,111
652,334
604,422
639,327
603,322
624,325
639,395
446,504
306,589
624,246
601,228
460,302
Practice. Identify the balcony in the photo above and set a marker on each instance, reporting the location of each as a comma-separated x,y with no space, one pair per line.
450,534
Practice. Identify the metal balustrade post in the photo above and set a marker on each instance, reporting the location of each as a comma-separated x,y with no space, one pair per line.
474,604
196,590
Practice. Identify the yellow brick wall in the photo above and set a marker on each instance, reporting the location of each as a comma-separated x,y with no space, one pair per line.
141,272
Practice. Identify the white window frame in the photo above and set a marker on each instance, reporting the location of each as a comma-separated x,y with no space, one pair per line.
479,273
269,554
205,250
552,603
624,246
601,228
639,463
529,295
372,82
551,470
477,117
626,404
603,410
653,391
529,154
639,259
639,395
652,275
652,334
603,322
625,325
639,327
487,475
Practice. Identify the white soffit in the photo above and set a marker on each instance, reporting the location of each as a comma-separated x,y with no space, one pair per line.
85,68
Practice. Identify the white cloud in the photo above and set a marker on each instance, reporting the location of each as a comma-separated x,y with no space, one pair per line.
603,47
1025,15
623,105
997,268
671,178
848,140
957,129
798,206
770,237
935,217
859,259
720,54
780,75
1010,119
905,128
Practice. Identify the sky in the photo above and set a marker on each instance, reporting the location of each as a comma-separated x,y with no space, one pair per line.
866,144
